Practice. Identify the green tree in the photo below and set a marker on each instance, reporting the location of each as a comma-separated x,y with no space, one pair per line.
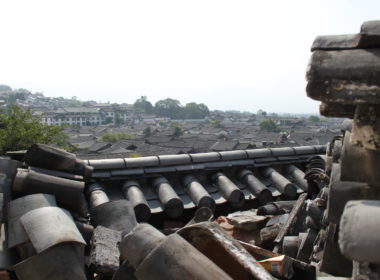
262,113
147,132
163,124
216,124
143,105
196,111
19,94
108,120
313,119
20,129
118,119
170,108
269,125
176,129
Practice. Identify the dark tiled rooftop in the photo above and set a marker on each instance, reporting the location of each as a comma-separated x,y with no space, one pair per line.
215,176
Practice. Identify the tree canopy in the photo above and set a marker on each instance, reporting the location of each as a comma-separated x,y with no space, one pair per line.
170,108
216,124
313,119
147,132
119,119
196,111
269,125
173,109
176,129
12,96
20,129
143,105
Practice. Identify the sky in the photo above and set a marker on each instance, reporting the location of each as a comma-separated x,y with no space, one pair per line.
229,55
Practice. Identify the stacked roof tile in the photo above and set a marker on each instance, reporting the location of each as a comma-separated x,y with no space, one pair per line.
216,175
58,203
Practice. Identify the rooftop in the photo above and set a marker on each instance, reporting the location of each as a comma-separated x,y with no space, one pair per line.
204,168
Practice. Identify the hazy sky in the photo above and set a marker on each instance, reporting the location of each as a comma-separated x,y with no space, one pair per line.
244,55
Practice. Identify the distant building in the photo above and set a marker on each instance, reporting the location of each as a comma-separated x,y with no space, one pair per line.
89,115
74,116
108,113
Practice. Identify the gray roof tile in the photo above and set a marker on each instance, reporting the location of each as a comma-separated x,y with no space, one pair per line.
114,163
258,153
224,145
265,160
205,157
127,172
288,158
301,150
173,168
163,169
232,155
243,162
187,167
141,161
101,174
199,166
371,27
285,151
221,164
335,42
174,159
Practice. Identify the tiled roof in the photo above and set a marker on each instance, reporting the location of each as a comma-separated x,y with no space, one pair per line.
76,110
224,145
220,177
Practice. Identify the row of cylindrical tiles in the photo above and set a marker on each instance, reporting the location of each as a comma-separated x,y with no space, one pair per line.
173,206
183,159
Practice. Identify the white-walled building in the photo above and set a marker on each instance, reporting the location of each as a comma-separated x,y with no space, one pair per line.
74,116
85,115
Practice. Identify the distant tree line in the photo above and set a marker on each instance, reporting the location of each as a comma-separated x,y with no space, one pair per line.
171,108
10,96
